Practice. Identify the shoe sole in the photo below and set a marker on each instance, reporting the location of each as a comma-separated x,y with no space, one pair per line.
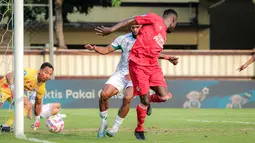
109,134
137,136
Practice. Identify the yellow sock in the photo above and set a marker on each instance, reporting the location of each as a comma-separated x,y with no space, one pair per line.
11,120
25,112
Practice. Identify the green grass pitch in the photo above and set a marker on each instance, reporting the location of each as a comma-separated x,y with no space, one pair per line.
163,126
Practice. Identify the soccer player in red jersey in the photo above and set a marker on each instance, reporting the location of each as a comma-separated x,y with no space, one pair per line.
144,68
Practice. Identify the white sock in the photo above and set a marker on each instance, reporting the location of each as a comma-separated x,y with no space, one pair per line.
103,120
118,121
5,125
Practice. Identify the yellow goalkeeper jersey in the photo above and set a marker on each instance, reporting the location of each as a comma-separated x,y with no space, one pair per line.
30,84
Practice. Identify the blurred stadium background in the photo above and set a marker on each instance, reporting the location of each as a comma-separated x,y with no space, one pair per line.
212,39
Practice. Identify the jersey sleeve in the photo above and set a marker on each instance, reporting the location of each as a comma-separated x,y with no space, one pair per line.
145,19
41,91
32,97
116,44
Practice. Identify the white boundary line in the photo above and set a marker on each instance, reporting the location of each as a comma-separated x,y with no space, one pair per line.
35,140
38,140
211,121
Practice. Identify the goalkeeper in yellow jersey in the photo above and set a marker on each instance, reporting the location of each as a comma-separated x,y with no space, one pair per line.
34,80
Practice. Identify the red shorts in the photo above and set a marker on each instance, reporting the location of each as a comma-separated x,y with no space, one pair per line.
145,77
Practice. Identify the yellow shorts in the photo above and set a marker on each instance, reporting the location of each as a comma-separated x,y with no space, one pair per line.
8,97
5,91
3,98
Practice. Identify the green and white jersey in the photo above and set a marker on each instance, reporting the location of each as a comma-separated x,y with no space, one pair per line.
124,43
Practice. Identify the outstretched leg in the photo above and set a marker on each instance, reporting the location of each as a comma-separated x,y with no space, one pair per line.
122,113
6,126
161,94
108,91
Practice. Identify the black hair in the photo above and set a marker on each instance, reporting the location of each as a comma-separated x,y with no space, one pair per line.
170,12
46,64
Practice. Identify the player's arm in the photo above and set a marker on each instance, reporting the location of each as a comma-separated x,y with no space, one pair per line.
115,45
100,49
103,31
137,20
172,59
244,66
37,109
38,100
38,106
9,78
37,112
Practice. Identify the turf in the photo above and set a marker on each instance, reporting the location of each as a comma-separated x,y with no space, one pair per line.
163,126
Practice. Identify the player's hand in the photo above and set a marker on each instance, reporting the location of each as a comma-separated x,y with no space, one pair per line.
36,125
103,31
89,47
242,67
173,60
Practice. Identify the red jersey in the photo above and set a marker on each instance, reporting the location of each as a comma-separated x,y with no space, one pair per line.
150,40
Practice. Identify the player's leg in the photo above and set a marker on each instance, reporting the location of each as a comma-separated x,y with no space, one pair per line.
55,109
140,78
158,84
127,99
141,110
4,127
123,111
2,99
161,94
50,109
7,125
108,91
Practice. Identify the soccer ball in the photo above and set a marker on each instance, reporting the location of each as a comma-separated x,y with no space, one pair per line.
55,124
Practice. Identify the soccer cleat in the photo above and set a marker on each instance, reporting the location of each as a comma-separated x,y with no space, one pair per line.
149,110
6,129
110,133
102,134
139,135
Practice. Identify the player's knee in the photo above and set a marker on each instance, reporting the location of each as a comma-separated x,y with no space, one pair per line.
127,100
58,105
28,105
104,96
145,102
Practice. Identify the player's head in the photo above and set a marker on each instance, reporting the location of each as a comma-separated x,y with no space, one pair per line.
170,18
45,72
135,29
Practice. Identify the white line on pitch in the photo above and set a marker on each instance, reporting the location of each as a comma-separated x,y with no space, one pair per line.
210,121
38,140
33,139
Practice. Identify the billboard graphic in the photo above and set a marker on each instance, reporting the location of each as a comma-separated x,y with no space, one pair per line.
186,94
